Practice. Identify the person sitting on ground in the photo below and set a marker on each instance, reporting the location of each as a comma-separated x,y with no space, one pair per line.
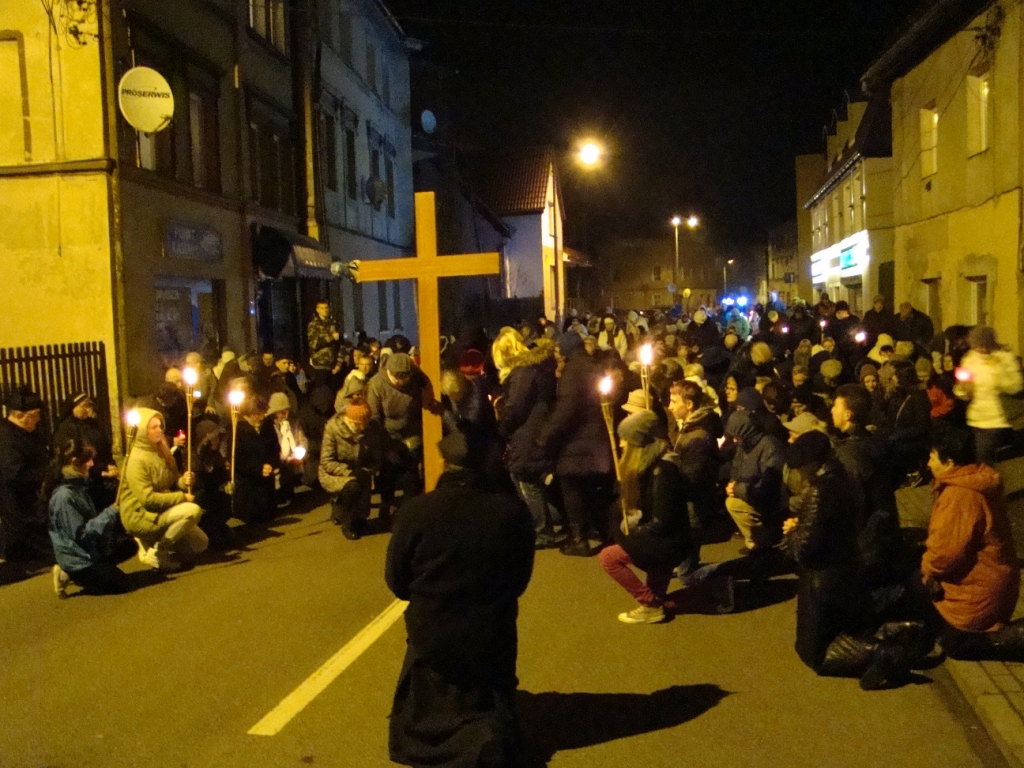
658,537
753,493
157,507
350,456
969,572
82,538
462,555
869,380
257,455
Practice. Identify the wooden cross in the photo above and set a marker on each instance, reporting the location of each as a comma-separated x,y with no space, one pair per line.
425,269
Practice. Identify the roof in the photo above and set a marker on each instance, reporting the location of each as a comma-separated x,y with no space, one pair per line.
929,30
515,183
576,258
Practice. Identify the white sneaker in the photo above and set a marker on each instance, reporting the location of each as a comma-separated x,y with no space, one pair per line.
643,614
149,557
60,581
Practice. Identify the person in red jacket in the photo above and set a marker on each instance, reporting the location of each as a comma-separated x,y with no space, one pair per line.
970,568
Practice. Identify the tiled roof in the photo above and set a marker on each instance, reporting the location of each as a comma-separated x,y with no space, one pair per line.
515,183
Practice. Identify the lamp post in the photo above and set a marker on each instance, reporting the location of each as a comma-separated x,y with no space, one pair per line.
605,388
692,222
235,399
646,358
190,377
725,279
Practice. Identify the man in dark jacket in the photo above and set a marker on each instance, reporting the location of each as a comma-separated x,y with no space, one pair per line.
576,438
877,320
754,492
23,466
461,555
913,325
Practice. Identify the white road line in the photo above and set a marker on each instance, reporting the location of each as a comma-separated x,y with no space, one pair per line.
316,683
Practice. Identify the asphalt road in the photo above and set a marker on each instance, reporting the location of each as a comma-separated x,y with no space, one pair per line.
175,673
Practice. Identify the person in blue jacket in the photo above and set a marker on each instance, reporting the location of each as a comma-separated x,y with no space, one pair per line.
81,536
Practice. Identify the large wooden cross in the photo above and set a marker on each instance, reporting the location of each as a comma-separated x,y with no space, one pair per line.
425,269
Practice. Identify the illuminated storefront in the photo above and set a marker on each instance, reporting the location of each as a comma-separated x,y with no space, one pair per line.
842,269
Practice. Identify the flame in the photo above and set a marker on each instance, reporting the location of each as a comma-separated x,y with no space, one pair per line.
236,397
299,452
191,376
646,354
133,418
606,385
962,374
861,337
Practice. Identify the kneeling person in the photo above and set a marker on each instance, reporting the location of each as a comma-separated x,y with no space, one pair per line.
350,456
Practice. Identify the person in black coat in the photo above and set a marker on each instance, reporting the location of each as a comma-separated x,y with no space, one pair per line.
24,464
212,476
257,454
461,555
658,536
78,421
575,437
907,426
877,320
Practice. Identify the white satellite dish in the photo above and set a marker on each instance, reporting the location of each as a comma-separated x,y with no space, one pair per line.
428,121
145,99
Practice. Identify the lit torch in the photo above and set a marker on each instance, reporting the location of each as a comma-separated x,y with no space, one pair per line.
190,376
235,398
860,337
605,388
646,358
132,419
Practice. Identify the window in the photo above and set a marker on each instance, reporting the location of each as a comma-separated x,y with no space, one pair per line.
267,19
385,84
371,67
350,163
389,180
934,298
271,161
979,300
345,37
978,90
656,275
204,133
396,297
929,141
330,139
375,174
847,203
382,305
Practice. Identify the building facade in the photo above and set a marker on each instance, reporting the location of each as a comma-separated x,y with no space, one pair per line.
954,81
636,272
782,264
851,211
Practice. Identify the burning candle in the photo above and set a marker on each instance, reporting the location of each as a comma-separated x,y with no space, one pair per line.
605,386
860,337
962,374
646,354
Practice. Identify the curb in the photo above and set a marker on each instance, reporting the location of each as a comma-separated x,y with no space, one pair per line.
995,690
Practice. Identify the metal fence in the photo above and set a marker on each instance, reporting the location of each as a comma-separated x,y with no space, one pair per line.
55,373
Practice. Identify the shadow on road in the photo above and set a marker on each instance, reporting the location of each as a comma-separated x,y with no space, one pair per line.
553,722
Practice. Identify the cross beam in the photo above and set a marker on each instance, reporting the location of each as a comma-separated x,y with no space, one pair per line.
426,268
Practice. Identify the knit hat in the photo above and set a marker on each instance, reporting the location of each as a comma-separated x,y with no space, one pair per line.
760,353
700,317
635,402
868,370
810,446
750,399
399,363
278,402
357,410
924,369
805,422
904,350
472,362
831,369
568,343
24,400
694,369
639,429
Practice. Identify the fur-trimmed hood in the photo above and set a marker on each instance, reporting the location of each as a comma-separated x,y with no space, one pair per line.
537,354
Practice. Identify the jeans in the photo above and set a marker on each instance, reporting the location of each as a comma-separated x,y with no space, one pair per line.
534,494
585,505
352,505
615,561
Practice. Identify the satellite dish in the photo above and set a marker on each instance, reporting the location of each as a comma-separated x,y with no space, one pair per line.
428,121
145,99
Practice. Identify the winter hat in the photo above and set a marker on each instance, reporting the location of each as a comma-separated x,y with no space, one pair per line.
632,316
639,429
773,316
868,370
24,400
904,350
760,353
278,402
924,369
700,316
831,369
842,305
805,422
635,402
694,369
472,362
750,399
399,363
357,410
807,448
569,343
714,358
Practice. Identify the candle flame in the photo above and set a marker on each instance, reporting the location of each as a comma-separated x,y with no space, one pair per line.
191,376
822,323
235,397
299,452
861,337
606,385
646,354
962,374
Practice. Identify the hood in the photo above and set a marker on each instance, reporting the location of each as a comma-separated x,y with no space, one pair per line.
884,340
704,418
142,442
980,478
536,354
744,428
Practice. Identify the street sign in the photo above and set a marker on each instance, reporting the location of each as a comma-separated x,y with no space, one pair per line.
145,99
671,288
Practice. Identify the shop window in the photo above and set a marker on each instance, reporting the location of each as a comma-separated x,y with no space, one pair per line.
978,91
929,117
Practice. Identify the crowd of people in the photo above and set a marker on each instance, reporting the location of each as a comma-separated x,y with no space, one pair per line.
793,425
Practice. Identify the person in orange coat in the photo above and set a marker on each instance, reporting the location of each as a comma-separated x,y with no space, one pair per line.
970,568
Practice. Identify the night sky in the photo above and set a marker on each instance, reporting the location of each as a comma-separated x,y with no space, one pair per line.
703,104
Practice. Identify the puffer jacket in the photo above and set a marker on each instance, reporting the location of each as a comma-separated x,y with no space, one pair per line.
77,531
399,411
991,375
527,400
969,550
662,539
757,466
149,486
344,452
575,435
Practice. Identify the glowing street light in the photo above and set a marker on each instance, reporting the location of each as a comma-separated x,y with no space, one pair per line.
590,153
725,279
693,222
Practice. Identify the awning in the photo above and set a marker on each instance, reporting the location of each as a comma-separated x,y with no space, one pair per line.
280,253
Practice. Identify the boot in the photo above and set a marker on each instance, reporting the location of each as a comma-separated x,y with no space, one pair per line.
1008,642
576,548
846,656
889,668
912,636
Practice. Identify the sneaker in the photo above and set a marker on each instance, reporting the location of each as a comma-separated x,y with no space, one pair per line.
60,582
148,557
350,533
723,593
643,614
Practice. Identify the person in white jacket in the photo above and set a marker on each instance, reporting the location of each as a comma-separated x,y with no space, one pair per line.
612,336
985,373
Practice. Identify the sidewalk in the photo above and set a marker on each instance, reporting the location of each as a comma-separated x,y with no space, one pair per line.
995,689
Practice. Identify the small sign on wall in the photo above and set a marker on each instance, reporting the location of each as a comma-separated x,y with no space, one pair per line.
195,242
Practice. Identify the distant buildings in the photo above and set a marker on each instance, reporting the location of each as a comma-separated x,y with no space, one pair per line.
635,273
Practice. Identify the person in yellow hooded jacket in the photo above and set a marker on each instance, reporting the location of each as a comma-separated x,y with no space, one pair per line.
157,507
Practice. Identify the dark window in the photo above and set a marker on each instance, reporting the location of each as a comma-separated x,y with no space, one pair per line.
389,180
345,37
382,304
267,19
371,67
330,150
396,295
204,134
350,163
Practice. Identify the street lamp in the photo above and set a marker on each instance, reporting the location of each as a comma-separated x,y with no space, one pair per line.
692,222
725,279
590,153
